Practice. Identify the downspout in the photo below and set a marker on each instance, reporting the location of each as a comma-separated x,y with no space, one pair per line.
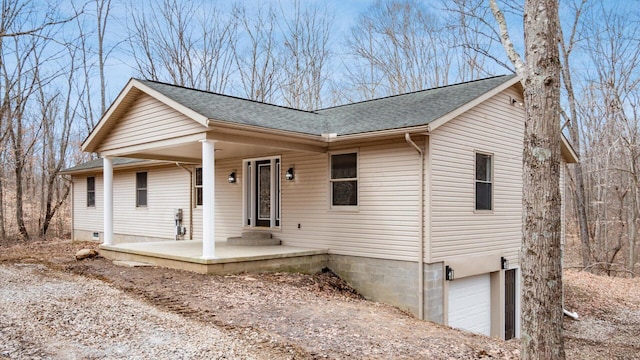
407,137
190,199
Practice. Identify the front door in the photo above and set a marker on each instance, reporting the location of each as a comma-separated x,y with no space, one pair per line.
262,192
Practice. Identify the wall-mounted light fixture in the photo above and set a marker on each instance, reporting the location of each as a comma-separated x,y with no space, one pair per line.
289,175
448,273
504,263
232,177
515,102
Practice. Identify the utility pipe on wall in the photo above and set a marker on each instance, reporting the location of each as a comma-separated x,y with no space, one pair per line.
407,137
190,199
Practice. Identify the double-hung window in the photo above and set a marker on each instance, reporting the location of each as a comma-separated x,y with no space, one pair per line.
141,189
484,181
344,179
91,191
198,186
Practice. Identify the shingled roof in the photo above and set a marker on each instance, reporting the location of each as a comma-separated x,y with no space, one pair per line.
393,112
242,111
97,164
406,110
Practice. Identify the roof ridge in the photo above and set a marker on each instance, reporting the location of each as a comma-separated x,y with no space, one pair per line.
226,95
415,92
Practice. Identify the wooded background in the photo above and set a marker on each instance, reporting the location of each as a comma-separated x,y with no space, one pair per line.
59,61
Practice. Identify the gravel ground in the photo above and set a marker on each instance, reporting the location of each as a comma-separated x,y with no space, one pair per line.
52,306
51,315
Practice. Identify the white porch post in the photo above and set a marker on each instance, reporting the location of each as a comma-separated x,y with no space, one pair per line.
208,199
107,173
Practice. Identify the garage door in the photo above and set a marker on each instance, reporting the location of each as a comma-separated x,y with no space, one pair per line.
470,304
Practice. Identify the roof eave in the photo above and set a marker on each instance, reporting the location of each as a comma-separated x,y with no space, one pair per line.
226,125
97,169
375,134
567,151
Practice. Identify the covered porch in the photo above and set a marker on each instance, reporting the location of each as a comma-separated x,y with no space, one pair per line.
198,131
187,255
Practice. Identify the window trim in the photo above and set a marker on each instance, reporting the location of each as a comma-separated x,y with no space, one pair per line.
146,190
356,179
491,181
93,191
197,187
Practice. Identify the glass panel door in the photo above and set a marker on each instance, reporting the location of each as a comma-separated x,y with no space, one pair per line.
262,192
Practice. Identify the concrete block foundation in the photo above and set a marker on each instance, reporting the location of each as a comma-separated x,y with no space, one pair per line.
394,282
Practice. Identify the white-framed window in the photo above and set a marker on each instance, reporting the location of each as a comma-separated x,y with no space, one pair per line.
197,186
344,179
91,191
484,181
141,189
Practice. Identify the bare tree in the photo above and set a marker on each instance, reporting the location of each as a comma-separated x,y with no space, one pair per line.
477,37
183,43
26,30
20,85
305,55
256,60
103,7
398,46
541,257
611,134
57,112
567,46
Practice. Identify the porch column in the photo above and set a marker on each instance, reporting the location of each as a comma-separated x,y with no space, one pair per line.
107,174
208,199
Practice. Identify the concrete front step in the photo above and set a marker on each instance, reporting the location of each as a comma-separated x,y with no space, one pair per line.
254,238
256,235
240,241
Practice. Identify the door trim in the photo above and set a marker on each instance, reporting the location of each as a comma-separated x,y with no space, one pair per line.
249,192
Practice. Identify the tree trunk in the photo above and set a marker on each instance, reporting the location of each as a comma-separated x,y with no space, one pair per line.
52,208
19,204
3,233
541,257
585,240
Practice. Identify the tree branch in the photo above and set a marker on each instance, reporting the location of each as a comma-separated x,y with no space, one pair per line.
506,39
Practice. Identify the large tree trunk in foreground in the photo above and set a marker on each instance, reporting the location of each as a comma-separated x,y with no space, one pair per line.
541,253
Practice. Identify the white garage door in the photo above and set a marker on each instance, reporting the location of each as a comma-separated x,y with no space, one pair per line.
470,304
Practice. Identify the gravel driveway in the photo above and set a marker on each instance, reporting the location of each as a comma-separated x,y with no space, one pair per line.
53,307
49,314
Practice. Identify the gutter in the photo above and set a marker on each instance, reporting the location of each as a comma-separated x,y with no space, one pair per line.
407,137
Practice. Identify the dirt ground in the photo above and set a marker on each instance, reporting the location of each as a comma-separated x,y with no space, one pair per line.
293,316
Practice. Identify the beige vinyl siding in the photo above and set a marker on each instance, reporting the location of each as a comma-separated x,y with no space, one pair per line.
84,217
167,189
385,224
457,229
228,211
147,113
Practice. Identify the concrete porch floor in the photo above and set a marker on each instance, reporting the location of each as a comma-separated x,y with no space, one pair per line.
187,255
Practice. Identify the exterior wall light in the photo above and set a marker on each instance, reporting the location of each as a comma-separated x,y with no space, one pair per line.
504,263
448,273
289,175
232,177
